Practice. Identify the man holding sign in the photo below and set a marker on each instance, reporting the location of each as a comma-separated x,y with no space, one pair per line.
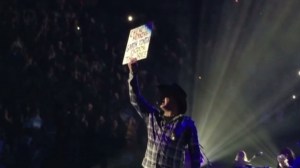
170,132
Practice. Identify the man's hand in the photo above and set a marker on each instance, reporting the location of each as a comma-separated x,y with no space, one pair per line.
132,65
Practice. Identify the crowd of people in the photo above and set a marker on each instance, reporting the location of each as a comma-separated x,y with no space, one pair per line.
285,159
64,99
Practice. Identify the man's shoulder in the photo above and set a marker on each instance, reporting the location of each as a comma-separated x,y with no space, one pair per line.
188,121
187,118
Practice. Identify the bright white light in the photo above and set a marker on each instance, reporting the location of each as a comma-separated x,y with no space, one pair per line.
78,28
199,77
129,18
222,99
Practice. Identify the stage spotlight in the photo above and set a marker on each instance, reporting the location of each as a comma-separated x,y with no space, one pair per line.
130,18
235,105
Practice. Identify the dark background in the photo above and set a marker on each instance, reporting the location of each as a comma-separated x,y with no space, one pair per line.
64,98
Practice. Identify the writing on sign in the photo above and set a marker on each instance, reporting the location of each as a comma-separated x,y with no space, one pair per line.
138,43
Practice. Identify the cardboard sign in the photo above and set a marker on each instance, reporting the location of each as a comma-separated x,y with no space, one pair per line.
138,43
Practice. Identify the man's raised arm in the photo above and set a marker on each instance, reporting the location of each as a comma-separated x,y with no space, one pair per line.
141,105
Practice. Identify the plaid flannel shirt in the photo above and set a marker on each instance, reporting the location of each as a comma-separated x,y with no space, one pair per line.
167,141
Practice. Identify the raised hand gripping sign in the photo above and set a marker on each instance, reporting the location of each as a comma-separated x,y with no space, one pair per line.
138,43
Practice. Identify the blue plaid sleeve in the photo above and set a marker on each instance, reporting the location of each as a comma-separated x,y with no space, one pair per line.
141,105
194,146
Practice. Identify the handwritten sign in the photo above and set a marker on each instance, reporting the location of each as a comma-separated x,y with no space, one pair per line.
138,43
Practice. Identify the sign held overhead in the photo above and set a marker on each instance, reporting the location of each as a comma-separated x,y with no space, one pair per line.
138,43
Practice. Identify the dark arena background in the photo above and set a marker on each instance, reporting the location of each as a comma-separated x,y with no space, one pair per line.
63,92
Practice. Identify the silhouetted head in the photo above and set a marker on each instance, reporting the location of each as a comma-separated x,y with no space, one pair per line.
176,93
